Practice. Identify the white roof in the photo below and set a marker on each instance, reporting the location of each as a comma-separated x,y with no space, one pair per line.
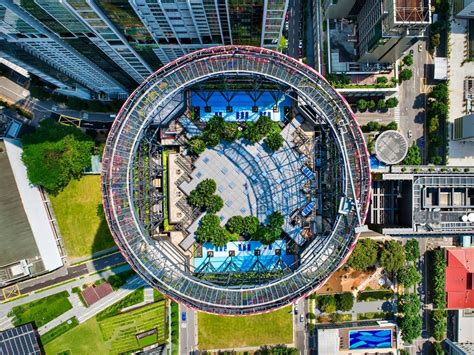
34,207
328,341
441,68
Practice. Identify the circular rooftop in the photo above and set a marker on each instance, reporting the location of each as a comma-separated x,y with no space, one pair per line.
160,262
391,147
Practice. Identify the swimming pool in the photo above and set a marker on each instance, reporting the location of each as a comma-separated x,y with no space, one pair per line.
370,339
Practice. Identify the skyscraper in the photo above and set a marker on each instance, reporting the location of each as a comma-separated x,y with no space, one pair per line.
126,40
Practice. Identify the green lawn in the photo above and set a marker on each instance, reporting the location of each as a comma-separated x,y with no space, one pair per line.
78,209
41,311
84,339
234,332
113,335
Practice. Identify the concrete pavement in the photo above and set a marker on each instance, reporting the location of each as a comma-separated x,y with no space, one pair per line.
188,339
83,314
412,97
300,335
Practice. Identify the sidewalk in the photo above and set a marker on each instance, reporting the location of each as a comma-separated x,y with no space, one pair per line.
6,307
83,314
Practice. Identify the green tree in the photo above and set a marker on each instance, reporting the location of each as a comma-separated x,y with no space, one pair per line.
405,74
327,303
361,104
391,126
344,301
382,80
210,230
230,132
437,349
55,154
274,141
410,327
209,227
214,203
435,40
267,235
264,125
440,92
211,138
392,257
438,108
408,60
433,125
392,102
373,126
371,104
235,224
413,156
439,321
250,225
251,133
381,105
364,255
409,276
196,145
206,187
276,220
412,250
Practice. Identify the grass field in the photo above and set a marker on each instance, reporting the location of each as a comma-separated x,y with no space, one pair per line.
41,311
78,209
234,332
84,339
114,335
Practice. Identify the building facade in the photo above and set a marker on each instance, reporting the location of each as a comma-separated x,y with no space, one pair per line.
110,46
463,129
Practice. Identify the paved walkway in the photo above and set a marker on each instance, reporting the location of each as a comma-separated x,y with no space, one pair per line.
6,307
83,314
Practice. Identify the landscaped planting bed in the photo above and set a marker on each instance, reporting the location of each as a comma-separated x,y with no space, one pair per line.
121,329
374,295
59,330
41,311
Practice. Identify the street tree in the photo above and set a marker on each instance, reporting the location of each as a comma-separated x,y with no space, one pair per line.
409,276
412,250
392,102
392,256
405,74
364,255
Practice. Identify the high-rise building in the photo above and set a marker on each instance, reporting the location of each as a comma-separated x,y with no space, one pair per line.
387,28
383,29
126,40
25,42
181,26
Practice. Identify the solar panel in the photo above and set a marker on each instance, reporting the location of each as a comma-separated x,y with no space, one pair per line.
19,340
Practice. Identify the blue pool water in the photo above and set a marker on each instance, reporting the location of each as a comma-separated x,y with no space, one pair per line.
370,339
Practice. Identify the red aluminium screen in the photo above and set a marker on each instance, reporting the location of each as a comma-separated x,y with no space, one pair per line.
459,278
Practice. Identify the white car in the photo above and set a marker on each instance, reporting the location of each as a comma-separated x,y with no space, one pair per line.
410,133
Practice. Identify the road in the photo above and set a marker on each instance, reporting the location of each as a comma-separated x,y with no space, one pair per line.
68,273
294,27
412,97
14,93
300,327
187,331
318,38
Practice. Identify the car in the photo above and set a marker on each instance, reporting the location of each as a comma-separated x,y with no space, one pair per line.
420,47
301,318
412,51
183,316
296,310
300,44
410,133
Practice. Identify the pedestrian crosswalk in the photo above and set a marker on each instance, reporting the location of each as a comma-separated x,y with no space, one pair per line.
396,115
